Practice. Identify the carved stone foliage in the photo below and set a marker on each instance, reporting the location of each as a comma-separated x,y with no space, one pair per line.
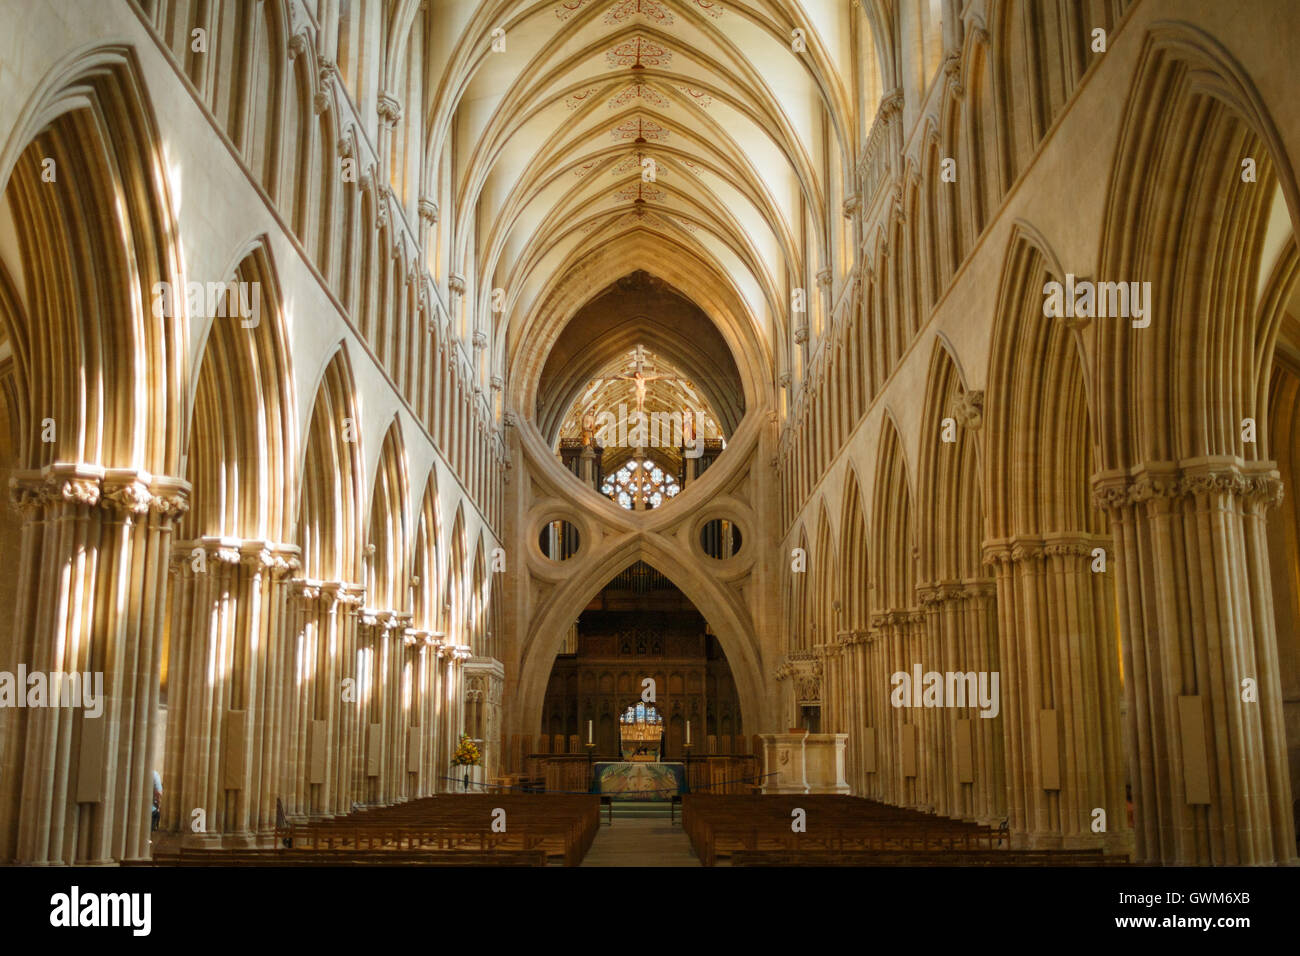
804,669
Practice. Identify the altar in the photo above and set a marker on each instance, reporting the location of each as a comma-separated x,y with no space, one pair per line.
639,779
641,733
641,774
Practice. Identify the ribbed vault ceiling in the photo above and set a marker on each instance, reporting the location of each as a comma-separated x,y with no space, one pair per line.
615,128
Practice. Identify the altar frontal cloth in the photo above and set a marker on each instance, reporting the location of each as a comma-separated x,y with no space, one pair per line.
640,780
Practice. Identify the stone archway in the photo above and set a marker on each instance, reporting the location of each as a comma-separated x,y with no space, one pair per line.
537,655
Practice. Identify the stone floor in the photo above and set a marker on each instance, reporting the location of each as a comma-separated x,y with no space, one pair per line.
640,842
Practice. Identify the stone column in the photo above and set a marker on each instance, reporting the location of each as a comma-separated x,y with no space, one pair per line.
485,678
936,748
827,659
856,718
877,754
92,566
1060,692
345,603
985,800
963,748
389,109
437,716
1205,726
322,628
454,656
379,699
421,729
903,779
224,680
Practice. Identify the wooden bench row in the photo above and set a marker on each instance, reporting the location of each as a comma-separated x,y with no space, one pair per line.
724,825
562,826
282,857
933,858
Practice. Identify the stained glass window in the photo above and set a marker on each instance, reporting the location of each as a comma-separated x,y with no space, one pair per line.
640,479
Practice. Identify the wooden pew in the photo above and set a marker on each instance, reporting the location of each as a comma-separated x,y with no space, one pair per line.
934,858
835,824
561,826
283,857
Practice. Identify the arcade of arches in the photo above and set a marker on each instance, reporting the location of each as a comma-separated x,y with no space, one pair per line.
373,370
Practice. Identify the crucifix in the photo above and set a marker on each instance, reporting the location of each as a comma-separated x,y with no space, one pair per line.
639,378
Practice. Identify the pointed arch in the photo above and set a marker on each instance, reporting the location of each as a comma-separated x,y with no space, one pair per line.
893,549
454,581
387,541
241,455
820,621
711,598
330,504
1172,221
425,567
1057,628
1180,480
797,596
854,563
1037,410
93,357
478,602
949,489
96,291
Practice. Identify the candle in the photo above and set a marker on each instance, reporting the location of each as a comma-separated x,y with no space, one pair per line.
589,732
688,733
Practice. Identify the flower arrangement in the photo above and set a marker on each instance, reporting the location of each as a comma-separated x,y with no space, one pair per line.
467,754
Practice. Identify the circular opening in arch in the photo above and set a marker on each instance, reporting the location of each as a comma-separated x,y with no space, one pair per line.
559,540
720,538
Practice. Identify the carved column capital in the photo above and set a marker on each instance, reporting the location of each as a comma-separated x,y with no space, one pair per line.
968,409
125,491
428,211
952,71
1256,483
389,109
